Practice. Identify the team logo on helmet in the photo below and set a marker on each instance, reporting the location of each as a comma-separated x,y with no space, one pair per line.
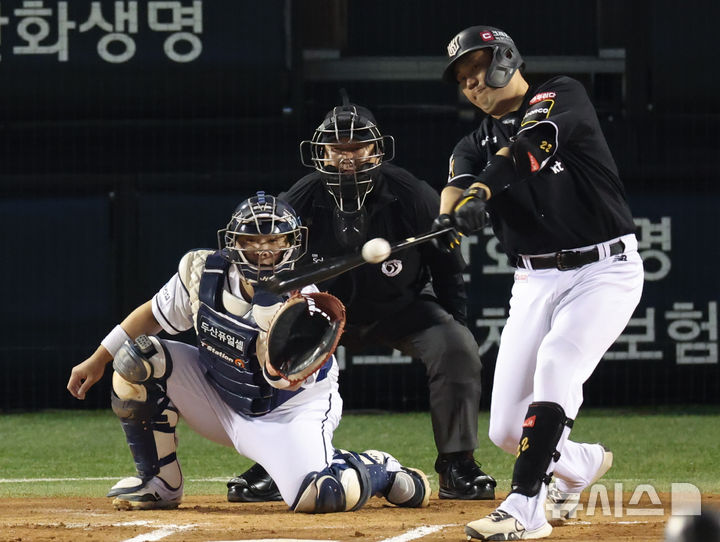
453,46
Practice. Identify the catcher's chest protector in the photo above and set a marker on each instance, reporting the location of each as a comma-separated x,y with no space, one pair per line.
226,347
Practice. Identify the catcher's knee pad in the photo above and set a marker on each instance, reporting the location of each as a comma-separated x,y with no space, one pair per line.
544,425
323,492
344,486
141,360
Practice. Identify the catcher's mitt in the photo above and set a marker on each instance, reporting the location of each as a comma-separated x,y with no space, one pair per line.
304,333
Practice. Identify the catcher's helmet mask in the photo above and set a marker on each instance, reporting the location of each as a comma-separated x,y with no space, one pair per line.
346,124
506,57
263,215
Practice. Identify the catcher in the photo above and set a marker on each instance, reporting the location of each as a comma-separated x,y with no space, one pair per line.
262,377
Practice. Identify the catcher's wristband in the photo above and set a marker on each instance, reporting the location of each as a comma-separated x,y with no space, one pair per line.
276,381
114,340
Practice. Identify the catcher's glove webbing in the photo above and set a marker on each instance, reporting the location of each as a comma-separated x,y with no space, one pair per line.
304,333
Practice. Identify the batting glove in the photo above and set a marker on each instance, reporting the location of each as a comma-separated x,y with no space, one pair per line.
449,240
470,214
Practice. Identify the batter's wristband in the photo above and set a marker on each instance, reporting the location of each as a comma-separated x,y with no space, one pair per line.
115,339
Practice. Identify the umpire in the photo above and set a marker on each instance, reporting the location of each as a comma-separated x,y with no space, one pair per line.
414,302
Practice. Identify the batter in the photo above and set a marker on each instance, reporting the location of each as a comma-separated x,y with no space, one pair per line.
540,167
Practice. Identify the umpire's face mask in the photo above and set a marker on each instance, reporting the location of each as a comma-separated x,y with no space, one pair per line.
347,173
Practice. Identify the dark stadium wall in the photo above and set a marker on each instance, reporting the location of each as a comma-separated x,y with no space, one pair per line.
113,164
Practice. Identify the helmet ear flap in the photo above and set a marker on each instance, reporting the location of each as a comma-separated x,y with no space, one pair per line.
502,67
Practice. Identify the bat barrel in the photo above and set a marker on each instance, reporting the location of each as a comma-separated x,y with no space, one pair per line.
294,279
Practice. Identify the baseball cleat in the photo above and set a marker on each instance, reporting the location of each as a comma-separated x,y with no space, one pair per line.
410,489
253,485
500,525
154,494
463,479
560,505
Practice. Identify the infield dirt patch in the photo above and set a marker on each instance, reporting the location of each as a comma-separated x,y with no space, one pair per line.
211,518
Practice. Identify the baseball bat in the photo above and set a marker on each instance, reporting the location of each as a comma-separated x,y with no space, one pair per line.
294,279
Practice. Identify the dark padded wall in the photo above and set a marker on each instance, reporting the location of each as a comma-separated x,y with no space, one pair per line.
109,172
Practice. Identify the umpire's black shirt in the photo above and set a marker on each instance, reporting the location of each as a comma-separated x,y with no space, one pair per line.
399,206
574,199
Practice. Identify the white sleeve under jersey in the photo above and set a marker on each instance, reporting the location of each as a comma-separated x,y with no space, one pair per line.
171,307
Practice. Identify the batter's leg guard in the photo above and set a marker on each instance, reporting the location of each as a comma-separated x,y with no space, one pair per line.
537,451
149,422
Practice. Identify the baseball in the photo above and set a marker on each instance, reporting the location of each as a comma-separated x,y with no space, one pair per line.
376,250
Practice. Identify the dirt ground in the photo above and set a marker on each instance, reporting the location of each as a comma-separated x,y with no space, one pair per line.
211,518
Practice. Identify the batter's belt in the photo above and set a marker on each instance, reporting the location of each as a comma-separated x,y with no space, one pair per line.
567,259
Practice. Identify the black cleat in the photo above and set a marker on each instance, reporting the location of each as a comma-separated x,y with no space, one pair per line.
461,478
253,485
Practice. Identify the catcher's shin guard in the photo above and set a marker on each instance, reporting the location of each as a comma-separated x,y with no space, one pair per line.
148,421
543,427
407,488
355,477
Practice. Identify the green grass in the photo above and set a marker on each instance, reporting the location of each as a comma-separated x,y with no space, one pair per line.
654,446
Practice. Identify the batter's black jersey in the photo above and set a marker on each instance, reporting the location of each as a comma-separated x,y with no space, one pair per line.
575,197
399,206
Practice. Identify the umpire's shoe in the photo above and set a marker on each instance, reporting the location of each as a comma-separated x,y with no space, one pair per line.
461,478
133,493
253,485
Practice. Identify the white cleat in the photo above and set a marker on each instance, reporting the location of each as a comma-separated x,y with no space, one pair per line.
155,494
502,526
561,506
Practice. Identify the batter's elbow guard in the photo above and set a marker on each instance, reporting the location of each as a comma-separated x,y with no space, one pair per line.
533,148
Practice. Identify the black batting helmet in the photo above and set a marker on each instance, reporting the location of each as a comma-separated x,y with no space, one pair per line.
506,58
